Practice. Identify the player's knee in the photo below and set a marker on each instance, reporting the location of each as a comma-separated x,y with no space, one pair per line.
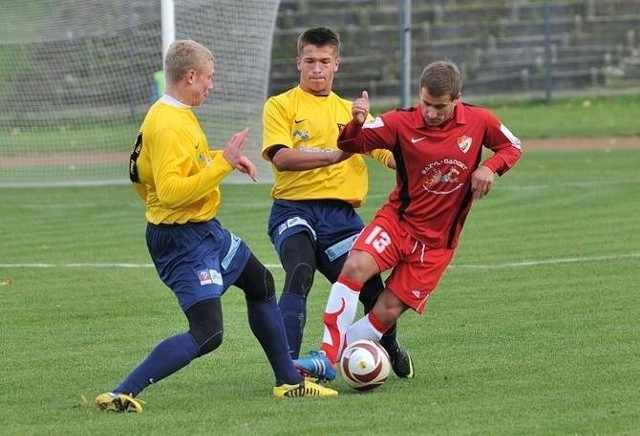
208,335
256,281
208,343
298,258
359,267
205,325
262,288
299,279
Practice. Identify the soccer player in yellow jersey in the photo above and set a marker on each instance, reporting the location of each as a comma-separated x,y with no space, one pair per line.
178,178
317,187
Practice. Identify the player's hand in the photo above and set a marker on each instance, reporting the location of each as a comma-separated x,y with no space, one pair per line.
481,182
235,146
391,163
247,167
360,108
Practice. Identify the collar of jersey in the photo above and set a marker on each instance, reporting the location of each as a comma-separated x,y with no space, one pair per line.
166,98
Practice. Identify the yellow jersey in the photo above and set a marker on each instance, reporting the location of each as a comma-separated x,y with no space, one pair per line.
303,121
179,177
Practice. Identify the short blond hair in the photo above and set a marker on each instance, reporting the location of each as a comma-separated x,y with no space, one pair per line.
185,55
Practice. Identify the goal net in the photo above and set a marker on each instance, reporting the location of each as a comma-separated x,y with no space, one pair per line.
77,77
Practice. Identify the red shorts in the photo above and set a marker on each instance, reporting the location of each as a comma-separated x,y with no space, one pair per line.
417,270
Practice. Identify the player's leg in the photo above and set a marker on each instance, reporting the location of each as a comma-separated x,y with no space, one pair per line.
291,230
266,324
400,358
264,318
408,287
342,303
176,352
297,257
336,236
373,250
401,361
340,311
386,311
336,233
188,249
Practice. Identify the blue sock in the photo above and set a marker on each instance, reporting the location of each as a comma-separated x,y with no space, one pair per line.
293,308
168,357
266,324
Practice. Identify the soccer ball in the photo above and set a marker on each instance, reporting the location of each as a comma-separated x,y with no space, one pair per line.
365,365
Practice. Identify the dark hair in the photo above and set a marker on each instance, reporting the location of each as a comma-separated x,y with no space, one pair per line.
440,78
319,36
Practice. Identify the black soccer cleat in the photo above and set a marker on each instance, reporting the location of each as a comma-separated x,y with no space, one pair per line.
401,363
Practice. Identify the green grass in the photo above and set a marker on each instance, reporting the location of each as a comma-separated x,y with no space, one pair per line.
64,138
533,330
583,117
586,116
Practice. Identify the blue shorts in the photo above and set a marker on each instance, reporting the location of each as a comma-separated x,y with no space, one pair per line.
198,261
331,224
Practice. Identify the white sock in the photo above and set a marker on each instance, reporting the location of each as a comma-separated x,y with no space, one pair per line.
340,312
362,329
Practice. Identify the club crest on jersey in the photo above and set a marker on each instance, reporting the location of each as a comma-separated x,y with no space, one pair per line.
301,134
444,176
464,142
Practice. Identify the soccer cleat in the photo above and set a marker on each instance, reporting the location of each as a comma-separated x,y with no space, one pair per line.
306,388
402,363
316,366
118,403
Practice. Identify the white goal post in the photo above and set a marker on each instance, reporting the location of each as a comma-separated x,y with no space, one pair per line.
77,76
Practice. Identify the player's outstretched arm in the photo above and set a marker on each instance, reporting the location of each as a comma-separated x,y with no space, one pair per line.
287,159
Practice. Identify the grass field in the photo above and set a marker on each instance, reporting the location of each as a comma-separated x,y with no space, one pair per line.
94,151
533,330
584,116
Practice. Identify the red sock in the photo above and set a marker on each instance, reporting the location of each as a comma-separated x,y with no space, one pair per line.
377,324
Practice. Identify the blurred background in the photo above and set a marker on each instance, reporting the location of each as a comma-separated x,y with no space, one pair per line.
77,76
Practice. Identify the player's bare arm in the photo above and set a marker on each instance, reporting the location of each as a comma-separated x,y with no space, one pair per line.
288,159
481,182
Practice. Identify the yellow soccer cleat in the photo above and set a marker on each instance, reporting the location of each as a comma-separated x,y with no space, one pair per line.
307,388
111,402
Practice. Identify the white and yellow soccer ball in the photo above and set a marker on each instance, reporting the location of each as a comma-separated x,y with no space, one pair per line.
365,365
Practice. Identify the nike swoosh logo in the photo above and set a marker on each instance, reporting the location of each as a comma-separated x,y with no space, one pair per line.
414,140
299,121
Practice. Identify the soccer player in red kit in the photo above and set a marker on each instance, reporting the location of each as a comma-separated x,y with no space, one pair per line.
437,146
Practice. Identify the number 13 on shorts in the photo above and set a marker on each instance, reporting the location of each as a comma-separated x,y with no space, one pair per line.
379,239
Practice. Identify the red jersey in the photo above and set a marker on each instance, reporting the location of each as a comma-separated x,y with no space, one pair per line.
434,165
